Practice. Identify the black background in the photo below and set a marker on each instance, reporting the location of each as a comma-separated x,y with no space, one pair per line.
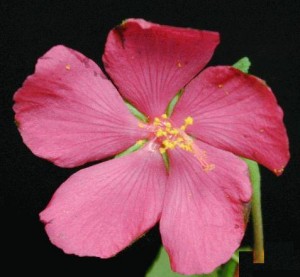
265,31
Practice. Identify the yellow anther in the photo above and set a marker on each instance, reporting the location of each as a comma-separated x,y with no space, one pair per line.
160,133
189,120
162,150
174,132
182,146
156,121
140,142
186,147
180,139
171,137
165,142
168,124
169,144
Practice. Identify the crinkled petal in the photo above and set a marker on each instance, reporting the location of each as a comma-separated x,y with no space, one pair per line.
236,112
104,208
150,63
202,222
69,113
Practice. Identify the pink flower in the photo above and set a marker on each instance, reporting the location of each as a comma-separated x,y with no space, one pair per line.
70,113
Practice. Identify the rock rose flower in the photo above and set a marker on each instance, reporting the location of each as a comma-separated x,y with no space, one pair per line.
69,113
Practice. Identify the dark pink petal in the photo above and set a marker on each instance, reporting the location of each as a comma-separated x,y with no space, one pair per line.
69,113
202,222
102,209
236,112
150,63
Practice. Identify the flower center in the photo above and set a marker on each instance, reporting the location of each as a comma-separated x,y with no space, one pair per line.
170,137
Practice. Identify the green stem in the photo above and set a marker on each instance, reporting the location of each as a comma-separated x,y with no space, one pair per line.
256,211
229,268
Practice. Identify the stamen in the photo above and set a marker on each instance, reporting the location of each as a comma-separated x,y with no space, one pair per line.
160,133
140,142
168,124
162,150
156,121
170,138
188,121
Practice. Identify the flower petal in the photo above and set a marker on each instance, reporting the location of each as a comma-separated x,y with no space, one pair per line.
236,112
202,222
102,209
69,113
150,63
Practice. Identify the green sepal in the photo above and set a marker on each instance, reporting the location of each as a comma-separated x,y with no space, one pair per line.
173,102
131,149
136,112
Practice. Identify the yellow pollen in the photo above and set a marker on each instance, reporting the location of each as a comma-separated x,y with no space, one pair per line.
162,150
68,67
168,124
172,137
174,132
160,133
156,121
140,142
188,121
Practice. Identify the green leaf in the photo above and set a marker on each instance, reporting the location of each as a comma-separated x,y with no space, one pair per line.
161,268
136,112
243,65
